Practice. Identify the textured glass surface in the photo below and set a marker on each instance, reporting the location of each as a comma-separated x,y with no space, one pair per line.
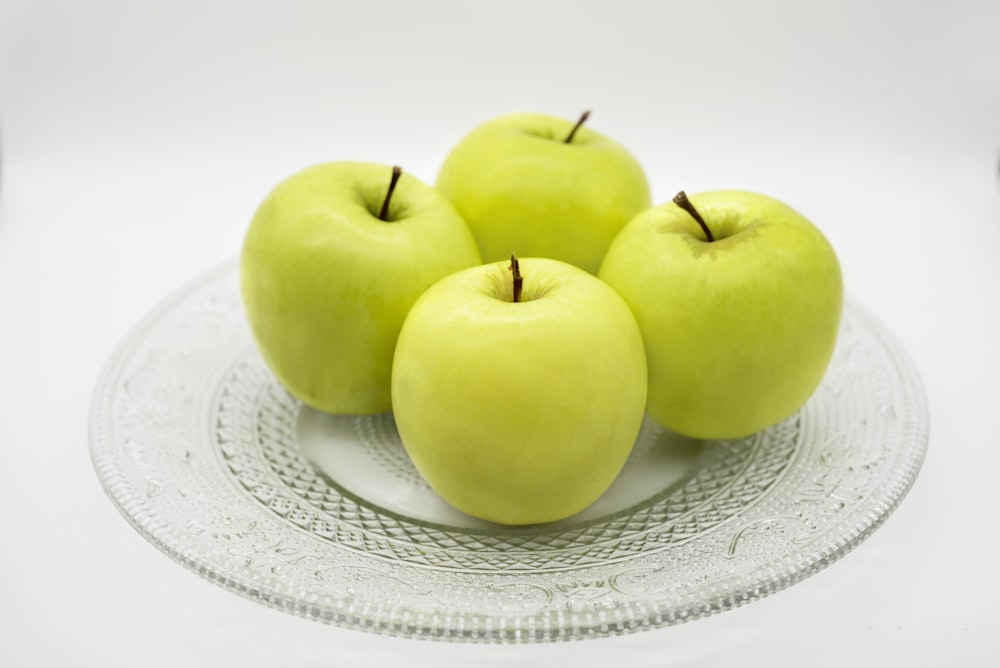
325,517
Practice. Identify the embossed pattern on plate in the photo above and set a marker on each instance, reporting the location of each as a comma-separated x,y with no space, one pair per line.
211,460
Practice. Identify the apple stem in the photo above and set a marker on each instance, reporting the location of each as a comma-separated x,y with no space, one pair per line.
384,213
583,118
515,269
681,200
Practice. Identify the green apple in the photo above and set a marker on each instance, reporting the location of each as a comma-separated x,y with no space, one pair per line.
331,264
739,312
519,412
542,186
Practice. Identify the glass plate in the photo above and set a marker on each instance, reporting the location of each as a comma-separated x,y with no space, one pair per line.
213,462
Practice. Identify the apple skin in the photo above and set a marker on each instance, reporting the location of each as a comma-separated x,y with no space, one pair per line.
522,189
738,331
326,284
519,413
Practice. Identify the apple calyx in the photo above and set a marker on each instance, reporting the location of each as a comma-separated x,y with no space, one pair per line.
383,214
681,200
583,118
515,270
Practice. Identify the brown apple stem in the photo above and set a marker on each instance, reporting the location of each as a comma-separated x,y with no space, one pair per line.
683,202
583,118
515,269
384,213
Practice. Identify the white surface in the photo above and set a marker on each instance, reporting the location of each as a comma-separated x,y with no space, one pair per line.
137,140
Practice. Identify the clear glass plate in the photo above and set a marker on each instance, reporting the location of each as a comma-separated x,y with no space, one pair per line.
214,463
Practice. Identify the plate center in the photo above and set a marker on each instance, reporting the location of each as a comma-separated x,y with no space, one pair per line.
365,456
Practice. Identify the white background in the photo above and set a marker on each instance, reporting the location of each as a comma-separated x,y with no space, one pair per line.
138,138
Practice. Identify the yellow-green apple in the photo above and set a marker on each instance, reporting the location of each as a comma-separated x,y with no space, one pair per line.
333,259
739,300
542,186
519,411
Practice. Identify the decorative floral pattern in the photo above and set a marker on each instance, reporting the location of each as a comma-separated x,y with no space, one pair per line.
199,447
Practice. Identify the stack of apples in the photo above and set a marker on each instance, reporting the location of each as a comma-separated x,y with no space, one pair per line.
520,317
